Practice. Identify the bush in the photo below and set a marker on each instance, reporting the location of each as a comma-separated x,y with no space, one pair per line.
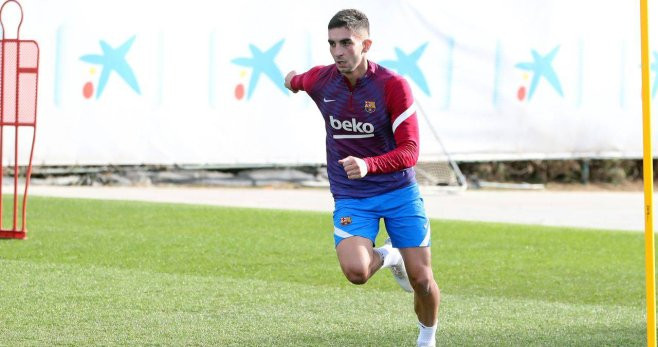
615,171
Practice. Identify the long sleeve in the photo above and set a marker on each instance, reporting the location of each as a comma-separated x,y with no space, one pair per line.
306,80
400,104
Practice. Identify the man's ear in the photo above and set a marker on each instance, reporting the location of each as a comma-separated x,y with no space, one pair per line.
366,45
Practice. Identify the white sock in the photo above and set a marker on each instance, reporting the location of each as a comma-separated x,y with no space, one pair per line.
427,335
382,254
389,255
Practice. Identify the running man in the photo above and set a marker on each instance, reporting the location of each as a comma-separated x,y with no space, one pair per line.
372,146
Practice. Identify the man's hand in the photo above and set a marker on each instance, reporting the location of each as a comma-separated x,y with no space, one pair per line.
289,77
354,167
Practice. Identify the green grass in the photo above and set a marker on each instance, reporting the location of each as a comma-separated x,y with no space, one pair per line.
130,273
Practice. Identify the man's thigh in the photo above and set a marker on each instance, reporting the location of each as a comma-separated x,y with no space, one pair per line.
354,253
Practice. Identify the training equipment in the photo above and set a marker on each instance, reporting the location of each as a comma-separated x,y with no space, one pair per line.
19,71
438,172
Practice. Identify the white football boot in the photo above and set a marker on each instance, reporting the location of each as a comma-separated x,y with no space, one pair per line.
397,266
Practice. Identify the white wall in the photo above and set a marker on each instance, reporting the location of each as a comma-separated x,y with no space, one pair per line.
186,110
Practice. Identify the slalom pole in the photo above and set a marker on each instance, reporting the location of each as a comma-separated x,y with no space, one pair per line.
647,163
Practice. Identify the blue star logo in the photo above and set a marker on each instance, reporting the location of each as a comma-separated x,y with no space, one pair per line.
407,65
113,59
541,67
262,63
654,68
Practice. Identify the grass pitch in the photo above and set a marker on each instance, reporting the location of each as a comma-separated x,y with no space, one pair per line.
131,273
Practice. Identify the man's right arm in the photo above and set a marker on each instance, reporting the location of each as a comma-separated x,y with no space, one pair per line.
304,81
288,81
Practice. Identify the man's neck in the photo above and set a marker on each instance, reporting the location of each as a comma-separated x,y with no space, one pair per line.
357,73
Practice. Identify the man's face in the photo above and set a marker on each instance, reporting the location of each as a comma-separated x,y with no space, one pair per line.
347,48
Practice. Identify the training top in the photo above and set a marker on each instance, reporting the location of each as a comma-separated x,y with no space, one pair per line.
374,120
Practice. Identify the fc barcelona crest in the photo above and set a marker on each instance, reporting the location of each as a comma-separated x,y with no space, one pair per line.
345,220
370,106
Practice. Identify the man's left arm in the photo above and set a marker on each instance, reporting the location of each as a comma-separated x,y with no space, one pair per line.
400,104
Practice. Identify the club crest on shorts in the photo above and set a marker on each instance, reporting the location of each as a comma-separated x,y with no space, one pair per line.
370,106
345,220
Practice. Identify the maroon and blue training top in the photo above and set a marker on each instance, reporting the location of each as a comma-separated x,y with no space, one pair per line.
374,120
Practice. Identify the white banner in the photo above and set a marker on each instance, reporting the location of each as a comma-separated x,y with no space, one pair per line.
200,82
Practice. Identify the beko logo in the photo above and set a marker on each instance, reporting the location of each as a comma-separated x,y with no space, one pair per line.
363,129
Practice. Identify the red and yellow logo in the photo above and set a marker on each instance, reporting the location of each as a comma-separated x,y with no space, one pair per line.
345,220
370,106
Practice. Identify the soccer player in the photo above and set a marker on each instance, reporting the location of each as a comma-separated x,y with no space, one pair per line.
372,146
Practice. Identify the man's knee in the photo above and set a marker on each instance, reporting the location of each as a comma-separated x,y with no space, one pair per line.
423,283
356,275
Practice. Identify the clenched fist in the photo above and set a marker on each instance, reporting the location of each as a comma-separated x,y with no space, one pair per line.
354,167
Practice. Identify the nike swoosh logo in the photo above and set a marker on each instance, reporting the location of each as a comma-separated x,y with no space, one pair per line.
325,100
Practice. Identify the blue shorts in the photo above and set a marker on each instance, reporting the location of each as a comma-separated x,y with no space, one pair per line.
403,211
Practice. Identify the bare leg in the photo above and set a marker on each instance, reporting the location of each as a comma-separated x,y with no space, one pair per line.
357,259
427,296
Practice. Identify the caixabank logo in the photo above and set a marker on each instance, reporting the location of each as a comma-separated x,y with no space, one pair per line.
261,62
407,66
541,68
110,60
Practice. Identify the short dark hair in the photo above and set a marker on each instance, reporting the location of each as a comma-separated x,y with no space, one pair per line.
352,19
